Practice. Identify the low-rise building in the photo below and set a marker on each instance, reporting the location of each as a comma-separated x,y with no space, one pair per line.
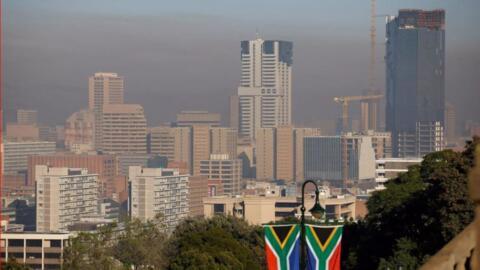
389,168
260,210
35,250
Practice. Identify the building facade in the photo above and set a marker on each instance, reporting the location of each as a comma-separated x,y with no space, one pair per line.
197,190
415,83
223,140
124,129
389,168
156,191
15,154
80,131
104,88
35,250
27,117
265,153
63,197
339,159
265,93
171,142
200,146
260,210
190,118
105,166
223,167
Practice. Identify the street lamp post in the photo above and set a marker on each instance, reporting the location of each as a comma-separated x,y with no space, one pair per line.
317,212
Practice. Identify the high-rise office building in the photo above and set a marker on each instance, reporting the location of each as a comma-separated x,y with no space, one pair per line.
265,153
415,83
225,168
265,91
103,89
171,142
279,152
27,117
223,140
80,131
124,129
200,146
190,118
285,153
158,191
63,196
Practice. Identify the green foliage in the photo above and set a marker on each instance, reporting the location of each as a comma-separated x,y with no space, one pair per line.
138,246
216,243
403,256
418,213
141,245
90,251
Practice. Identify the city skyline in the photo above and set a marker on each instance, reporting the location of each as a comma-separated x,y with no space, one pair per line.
315,80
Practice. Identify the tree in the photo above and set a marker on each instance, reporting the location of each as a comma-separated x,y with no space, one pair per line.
90,251
403,256
141,245
216,243
416,215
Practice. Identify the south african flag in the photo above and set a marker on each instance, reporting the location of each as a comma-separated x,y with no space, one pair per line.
282,247
324,247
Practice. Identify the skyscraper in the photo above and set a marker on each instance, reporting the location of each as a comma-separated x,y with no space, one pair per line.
265,91
415,83
103,89
124,129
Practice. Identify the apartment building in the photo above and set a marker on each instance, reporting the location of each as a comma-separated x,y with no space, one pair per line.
64,196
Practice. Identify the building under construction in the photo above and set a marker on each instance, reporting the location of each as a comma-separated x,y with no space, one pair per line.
415,83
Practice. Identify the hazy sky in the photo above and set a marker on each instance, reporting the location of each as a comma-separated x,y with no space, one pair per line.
184,54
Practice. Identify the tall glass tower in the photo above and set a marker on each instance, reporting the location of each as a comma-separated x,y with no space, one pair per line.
415,81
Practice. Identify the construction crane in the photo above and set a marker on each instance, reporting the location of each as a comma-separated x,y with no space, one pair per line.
345,101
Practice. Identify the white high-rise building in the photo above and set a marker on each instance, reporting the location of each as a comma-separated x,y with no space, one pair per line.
265,91
158,191
63,196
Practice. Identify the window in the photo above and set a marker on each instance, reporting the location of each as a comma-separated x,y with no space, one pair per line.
219,208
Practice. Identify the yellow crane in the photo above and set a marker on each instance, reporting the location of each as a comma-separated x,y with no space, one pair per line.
345,101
